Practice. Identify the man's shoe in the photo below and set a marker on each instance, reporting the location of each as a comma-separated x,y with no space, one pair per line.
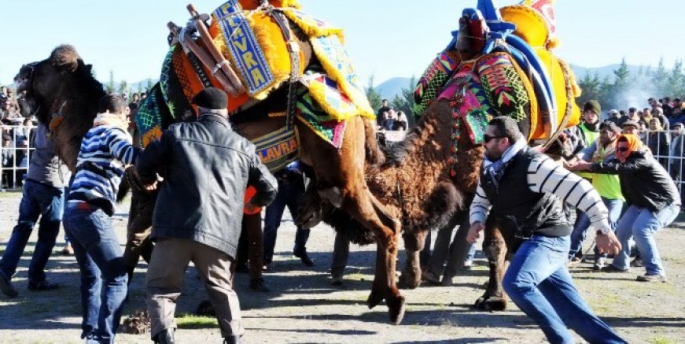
468,264
304,257
165,337
259,285
68,250
7,287
430,277
43,286
637,263
599,264
652,278
612,268
336,280
232,340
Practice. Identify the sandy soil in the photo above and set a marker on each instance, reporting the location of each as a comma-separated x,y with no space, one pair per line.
304,308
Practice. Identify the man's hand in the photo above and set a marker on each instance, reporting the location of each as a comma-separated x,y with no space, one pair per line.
474,232
579,165
608,243
250,208
151,187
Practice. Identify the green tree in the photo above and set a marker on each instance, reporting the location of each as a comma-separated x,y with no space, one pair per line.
404,101
659,79
590,88
604,93
149,85
123,87
110,86
676,81
620,86
372,95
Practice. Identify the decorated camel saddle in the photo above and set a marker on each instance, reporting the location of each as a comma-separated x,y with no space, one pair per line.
249,49
500,63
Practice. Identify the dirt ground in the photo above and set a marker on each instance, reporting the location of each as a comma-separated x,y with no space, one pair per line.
303,307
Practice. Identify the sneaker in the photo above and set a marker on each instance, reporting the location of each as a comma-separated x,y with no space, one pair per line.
258,285
68,250
599,264
612,268
468,264
43,286
574,261
652,278
304,257
7,287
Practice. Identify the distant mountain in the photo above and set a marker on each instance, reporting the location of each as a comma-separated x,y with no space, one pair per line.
391,87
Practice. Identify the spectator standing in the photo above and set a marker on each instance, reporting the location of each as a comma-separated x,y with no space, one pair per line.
654,204
42,197
525,188
608,187
199,211
676,152
381,115
290,194
658,141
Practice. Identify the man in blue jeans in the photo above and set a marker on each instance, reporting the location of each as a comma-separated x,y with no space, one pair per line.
42,196
520,192
105,150
290,194
654,203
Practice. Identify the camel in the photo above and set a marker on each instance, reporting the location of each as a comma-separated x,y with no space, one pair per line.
415,190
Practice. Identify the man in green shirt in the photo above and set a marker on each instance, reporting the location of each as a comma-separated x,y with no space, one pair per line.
607,185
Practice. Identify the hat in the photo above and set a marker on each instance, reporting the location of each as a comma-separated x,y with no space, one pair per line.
592,105
630,123
613,112
611,126
211,98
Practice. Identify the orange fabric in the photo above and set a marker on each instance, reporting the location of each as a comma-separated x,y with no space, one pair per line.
634,145
249,193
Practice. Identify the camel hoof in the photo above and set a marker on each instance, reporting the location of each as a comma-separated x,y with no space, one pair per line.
396,309
374,299
407,282
491,303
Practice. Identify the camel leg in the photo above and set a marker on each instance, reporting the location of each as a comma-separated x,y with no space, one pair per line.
341,181
413,244
495,250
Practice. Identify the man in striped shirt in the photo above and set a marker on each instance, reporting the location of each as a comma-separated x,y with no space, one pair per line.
522,190
105,151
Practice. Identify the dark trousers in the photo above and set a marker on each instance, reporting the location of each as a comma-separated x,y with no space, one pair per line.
290,194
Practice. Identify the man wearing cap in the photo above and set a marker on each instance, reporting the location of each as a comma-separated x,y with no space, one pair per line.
607,185
199,211
614,116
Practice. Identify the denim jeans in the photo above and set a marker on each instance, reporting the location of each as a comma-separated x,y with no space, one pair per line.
290,194
103,276
539,283
37,200
583,224
641,224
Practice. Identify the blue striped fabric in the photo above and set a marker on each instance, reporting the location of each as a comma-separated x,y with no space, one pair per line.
105,152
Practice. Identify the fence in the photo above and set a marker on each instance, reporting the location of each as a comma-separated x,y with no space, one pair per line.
666,146
17,149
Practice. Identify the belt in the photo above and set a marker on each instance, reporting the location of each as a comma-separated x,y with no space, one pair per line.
80,206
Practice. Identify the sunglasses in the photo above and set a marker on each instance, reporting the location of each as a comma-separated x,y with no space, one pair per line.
622,149
487,138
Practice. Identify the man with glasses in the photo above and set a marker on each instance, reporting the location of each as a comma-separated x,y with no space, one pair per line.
522,189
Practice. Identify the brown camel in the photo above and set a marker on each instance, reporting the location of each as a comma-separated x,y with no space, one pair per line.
63,93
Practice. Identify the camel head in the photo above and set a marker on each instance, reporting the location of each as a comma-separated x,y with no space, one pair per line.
43,80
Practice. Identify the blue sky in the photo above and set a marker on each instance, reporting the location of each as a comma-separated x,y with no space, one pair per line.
384,38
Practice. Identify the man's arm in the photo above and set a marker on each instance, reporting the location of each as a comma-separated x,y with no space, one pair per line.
544,175
152,158
478,213
263,181
119,143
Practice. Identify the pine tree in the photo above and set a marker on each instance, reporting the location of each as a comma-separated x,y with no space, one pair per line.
404,101
123,87
676,81
659,79
149,85
372,95
110,87
620,87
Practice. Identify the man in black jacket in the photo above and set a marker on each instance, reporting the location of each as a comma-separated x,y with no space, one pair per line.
199,210
654,203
